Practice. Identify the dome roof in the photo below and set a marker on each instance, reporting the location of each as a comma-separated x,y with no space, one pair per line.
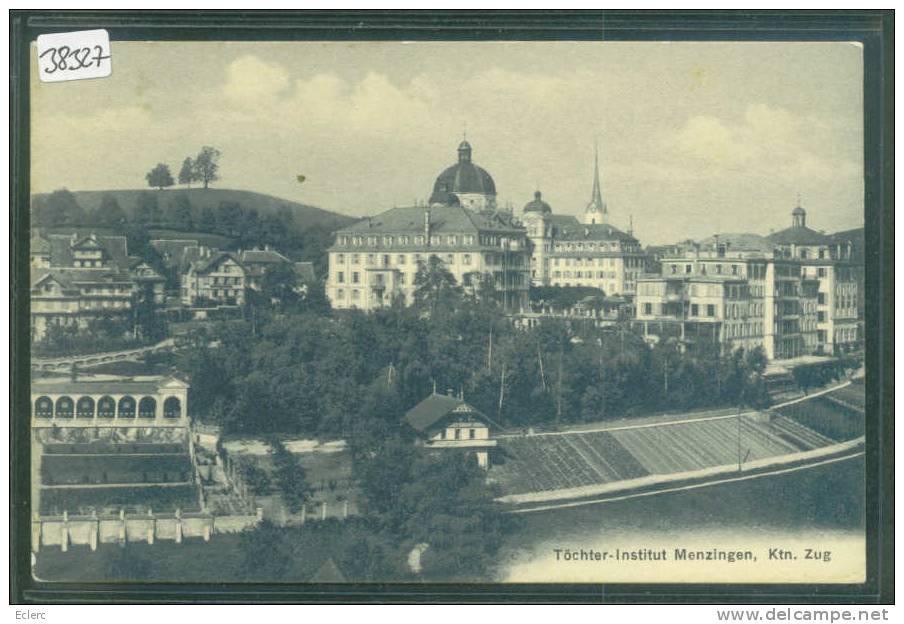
798,211
462,177
538,205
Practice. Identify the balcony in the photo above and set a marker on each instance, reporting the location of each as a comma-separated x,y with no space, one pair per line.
474,443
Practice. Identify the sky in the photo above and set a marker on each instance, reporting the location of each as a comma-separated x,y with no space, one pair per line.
694,138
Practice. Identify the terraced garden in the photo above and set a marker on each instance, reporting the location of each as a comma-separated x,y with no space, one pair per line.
535,463
110,499
114,469
105,476
551,462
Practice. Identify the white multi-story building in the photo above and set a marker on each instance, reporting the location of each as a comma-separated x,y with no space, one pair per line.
791,293
828,261
374,261
590,251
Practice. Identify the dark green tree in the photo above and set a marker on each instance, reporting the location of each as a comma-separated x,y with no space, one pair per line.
58,208
207,220
229,218
149,323
435,287
179,214
290,477
264,555
109,213
207,165
160,177
147,209
449,506
187,173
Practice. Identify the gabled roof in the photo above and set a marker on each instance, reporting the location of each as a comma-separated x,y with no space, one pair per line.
593,232
173,250
70,278
87,242
800,235
215,259
443,219
263,256
61,246
433,409
39,276
740,241
39,246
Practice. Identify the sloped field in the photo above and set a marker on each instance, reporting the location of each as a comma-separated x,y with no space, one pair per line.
551,462
837,415
535,463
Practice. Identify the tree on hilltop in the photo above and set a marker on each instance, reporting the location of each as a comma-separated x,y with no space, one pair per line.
159,177
206,165
187,173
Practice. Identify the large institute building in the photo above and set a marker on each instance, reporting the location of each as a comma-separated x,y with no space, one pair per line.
794,292
374,261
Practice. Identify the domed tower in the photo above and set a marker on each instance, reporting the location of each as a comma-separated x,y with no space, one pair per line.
596,211
798,216
465,184
535,217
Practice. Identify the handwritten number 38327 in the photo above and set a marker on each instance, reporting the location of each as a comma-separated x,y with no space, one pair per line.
66,58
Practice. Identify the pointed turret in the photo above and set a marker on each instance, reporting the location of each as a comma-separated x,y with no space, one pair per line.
596,211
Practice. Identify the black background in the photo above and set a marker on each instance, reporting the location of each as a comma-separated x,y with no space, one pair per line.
873,28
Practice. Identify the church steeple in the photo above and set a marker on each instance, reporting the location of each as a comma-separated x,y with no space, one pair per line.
597,211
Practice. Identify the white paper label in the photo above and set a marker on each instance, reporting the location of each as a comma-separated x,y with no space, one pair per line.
74,55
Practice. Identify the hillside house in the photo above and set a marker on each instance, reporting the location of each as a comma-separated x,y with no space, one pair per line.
447,422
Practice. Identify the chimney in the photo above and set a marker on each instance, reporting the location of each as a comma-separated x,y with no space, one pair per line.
427,227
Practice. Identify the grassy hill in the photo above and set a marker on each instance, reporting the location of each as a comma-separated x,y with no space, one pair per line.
305,216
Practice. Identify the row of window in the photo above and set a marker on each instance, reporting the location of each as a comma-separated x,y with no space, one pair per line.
591,246
717,269
217,293
386,260
844,301
586,274
743,330
458,435
225,281
599,262
105,407
846,334
404,239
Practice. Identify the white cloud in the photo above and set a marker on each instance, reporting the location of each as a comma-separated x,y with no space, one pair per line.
766,142
250,80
